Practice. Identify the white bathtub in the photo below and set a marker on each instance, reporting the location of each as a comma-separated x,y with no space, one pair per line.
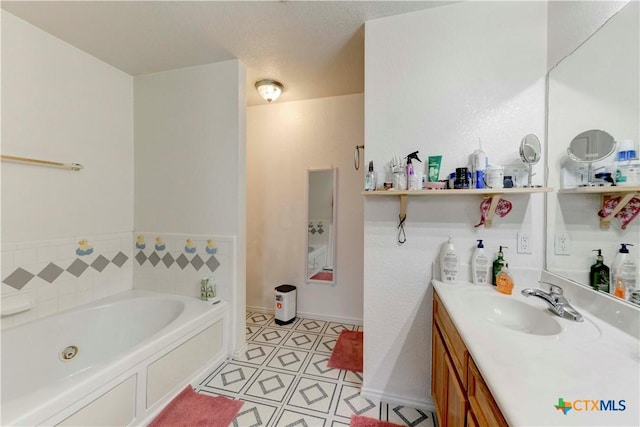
135,351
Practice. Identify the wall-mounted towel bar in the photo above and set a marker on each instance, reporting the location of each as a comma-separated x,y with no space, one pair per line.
72,166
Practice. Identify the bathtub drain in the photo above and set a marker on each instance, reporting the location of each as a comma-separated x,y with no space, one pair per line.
68,353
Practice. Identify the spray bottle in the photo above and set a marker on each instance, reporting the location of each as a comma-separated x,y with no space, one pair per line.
414,181
370,178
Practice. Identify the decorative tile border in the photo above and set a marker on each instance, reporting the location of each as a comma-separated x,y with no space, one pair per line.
181,260
20,276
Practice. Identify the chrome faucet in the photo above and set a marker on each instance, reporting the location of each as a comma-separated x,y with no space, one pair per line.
558,304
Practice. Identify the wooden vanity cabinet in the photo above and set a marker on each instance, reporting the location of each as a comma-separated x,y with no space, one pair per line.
461,396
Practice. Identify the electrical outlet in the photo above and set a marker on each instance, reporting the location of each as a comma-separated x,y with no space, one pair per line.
524,243
562,244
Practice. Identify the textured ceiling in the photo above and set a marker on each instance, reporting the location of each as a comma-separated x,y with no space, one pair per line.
315,48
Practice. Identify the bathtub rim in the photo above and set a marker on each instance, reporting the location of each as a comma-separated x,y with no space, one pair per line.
39,407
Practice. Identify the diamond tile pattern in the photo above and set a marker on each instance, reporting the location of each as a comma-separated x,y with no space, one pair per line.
182,261
283,378
78,267
213,263
51,272
154,258
120,259
197,262
168,260
141,257
21,276
18,278
100,263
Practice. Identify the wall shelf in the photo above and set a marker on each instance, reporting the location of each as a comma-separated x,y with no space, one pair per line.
626,194
494,194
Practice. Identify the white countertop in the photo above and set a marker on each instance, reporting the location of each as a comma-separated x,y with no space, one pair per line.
527,374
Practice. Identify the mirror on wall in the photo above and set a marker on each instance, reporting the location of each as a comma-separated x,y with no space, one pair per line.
594,88
321,225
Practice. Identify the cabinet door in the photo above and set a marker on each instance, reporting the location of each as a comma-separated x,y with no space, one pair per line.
456,398
481,401
439,375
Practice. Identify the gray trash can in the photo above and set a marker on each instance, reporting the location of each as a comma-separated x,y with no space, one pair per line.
285,304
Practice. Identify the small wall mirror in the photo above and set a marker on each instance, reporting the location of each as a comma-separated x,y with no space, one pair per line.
530,154
321,225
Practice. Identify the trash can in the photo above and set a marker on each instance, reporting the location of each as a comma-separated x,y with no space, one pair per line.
285,304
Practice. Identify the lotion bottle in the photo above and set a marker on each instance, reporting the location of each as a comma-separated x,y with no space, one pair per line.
625,269
480,266
448,263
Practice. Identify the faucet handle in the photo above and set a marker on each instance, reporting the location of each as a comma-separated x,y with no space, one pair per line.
555,289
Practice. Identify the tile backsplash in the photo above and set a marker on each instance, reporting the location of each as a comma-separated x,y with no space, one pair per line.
176,263
63,273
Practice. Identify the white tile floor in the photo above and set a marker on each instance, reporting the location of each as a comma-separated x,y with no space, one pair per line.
284,380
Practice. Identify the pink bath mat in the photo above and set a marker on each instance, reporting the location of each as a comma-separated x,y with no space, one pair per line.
347,353
190,409
361,421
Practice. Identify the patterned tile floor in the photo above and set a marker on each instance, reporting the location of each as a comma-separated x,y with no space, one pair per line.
284,380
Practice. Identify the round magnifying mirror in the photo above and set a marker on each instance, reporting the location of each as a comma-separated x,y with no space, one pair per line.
530,153
591,146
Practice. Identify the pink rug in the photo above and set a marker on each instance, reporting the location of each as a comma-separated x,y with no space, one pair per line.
347,353
190,409
360,421
323,275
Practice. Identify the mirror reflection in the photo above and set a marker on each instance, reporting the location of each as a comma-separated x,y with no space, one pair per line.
321,230
589,147
596,87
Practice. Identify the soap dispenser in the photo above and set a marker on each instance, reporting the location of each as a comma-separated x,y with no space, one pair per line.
498,263
480,266
504,282
599,274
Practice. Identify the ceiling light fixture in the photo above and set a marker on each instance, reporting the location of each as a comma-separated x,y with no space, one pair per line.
269,89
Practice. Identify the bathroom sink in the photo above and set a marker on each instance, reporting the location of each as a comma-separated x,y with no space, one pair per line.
513,314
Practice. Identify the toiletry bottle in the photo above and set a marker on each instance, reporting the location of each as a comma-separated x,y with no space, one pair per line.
620,290
370,178
448,263
624,267
479,166
599,274
504,281
480,266
497,265
414,181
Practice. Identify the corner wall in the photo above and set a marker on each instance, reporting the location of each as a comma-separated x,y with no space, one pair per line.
284,140
190,145
436,81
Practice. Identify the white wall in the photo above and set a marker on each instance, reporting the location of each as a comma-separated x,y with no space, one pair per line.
436,81
283,141
585,18
190,145
60,104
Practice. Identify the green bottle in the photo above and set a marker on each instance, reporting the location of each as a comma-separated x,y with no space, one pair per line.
498,263
599,274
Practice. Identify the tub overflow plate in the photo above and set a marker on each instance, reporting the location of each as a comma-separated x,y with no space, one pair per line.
68,353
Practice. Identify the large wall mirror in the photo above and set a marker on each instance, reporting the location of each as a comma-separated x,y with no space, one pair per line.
594,88
321,225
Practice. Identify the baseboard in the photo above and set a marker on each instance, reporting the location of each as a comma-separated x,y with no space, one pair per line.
308,315
236,354
380,396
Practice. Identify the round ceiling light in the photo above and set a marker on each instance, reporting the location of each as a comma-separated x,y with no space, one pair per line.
269,89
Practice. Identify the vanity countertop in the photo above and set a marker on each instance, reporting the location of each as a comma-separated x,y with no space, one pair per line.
528,373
